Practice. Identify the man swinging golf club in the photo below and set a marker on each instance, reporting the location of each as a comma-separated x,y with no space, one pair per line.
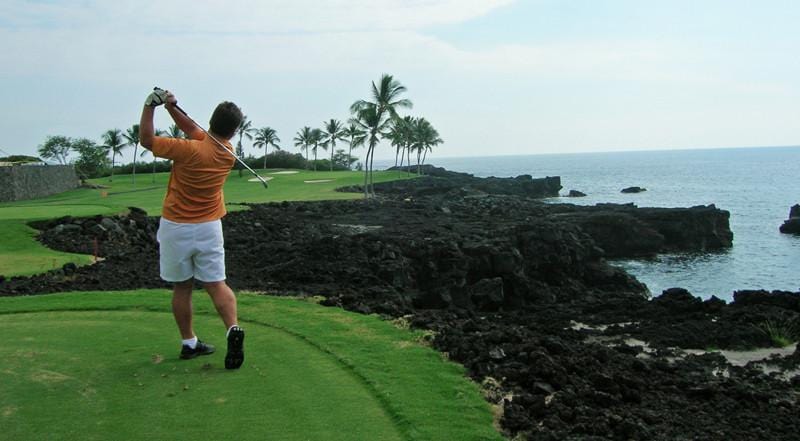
190,231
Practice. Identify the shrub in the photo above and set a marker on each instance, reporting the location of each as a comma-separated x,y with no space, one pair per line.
782,333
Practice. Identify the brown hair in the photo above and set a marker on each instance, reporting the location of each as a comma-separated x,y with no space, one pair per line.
226,119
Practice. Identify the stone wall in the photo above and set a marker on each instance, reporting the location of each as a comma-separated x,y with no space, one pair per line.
20,182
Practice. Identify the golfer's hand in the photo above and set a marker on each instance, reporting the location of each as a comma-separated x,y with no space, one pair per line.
171,100
157,98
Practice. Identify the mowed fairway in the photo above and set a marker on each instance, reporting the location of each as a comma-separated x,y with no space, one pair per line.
21,254
97,366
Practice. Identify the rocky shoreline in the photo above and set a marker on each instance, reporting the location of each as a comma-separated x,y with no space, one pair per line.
518,291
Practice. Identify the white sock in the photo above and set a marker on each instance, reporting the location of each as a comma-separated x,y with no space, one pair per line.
191,342
229,330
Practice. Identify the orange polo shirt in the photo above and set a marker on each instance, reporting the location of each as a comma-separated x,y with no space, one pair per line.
199,170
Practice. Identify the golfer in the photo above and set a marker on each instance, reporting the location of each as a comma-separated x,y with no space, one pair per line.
190,231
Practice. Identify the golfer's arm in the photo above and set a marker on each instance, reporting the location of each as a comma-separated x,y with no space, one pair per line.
184,123
146,129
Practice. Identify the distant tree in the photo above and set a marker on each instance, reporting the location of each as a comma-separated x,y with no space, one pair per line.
370,120
355,136
175,132
406,132
375,117
265,137
92,158
57,148
131,137
114,143
334,131
316,139
425,137
303,139
342,160
20,159
144,153
400,136
245,130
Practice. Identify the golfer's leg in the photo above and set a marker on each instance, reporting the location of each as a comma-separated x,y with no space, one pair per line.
182,307
224,300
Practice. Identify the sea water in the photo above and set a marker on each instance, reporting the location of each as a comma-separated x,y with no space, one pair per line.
756,185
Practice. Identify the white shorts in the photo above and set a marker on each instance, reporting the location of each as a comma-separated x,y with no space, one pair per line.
191,250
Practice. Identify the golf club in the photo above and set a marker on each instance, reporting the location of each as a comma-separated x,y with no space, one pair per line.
221,145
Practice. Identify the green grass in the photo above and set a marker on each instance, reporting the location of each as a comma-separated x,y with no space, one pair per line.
781,333
20,254
100,365
104,366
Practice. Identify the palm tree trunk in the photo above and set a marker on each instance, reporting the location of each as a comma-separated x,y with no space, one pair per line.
349,154
265,155
424,155
315,158
371,176
134,164
306,157
418,167
333,146
113,155
239,152
366,171
396,153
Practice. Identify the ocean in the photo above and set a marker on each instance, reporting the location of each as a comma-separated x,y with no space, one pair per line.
756,185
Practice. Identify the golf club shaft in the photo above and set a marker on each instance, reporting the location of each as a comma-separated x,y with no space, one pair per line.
223,146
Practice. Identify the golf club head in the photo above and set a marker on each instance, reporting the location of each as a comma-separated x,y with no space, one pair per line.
265,184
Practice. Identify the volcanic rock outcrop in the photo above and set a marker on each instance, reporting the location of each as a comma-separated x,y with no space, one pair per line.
438,181
624,230
792,225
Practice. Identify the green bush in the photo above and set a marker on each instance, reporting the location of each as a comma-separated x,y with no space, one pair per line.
162,165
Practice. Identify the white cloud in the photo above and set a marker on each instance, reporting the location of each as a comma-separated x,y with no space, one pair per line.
247,16
98,39
120,47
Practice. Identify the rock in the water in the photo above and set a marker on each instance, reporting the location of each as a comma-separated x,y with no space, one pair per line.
633,190
576,194
792,225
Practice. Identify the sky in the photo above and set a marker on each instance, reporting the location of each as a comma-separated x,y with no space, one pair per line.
495,77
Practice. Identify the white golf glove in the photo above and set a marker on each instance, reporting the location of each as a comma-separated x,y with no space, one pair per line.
157,98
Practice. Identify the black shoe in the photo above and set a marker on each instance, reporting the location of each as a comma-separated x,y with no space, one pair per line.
200,349
235,356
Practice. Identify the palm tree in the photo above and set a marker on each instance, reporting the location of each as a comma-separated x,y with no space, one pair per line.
159,132
265,137
316,139
334,131
132,138
175,132
406,133
425,138
371,121
356,138
303,139
375,115
112,141
246,130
